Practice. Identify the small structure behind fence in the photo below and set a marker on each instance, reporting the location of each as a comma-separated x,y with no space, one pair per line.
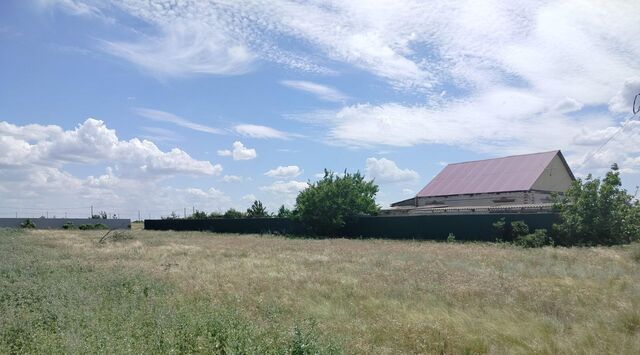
475,227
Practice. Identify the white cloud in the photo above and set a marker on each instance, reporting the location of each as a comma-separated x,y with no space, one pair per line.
261,132
249,197
321,91
385,170
92,142
162,116
623,100
232,178
284,172
239,152
291,187
185,48
408,192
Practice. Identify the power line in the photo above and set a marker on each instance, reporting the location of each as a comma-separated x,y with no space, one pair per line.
618,131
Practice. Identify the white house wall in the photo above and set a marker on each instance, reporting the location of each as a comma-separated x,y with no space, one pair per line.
554,178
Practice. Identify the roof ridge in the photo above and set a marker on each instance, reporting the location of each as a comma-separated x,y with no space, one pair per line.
508,156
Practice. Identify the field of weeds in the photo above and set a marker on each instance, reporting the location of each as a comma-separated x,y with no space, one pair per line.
189,292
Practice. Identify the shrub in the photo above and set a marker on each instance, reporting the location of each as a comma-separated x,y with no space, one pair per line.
284,212
451,238
257,210
93,226
232,213
537,239
28,223
100,215
198,215
502,230
519,229
597,212
328,204
69,225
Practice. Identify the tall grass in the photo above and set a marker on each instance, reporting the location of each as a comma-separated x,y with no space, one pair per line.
164,292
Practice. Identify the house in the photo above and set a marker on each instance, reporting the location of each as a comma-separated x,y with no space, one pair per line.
519,181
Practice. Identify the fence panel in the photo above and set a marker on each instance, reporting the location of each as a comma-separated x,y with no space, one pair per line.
465,227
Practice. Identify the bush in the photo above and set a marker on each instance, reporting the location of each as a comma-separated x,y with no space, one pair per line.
328,204
519,229
69,225
232,213
257,210
451,238
93,226
597,212
198,215
284,212
28,223
537,239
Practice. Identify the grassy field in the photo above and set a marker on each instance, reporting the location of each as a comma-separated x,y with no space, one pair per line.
163,292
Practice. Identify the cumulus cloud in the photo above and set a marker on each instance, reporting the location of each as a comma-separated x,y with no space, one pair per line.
92,142
623,100
239,152
163,116
261,132
282,172
321,91
232,178
285,187
385,170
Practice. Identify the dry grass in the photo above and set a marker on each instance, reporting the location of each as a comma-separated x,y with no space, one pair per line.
376,296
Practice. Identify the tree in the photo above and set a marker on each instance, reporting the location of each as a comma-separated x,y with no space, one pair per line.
597,212
232,213
257,210
284,212
100,215
328,204
198,215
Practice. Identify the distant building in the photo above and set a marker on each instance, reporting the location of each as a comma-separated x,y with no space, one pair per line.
520,181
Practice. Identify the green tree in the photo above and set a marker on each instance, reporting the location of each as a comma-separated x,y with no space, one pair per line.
597,212
198,215
232,213
328,204
257,210
284,212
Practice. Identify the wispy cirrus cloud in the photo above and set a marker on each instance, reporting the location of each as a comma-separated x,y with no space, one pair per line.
162,116
323,92
260,132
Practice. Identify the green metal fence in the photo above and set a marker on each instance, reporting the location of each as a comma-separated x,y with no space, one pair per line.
465,227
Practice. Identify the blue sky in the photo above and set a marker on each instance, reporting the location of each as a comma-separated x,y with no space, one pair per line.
159,106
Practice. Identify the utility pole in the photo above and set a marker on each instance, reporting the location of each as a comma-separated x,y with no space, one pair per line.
193,210
16,214
138,215
91,212
185,212
65,215
47,214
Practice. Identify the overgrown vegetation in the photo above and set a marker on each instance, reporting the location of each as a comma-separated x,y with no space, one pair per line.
28,223
328,204
597,212
93,226
53,300
186,292
232,213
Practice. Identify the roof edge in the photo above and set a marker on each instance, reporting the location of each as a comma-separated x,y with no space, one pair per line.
509,156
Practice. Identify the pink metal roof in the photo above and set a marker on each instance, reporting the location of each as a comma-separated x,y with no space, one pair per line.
514,173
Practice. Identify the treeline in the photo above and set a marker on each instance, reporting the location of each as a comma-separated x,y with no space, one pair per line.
592,212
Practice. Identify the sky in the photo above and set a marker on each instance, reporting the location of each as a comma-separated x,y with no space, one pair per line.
155,107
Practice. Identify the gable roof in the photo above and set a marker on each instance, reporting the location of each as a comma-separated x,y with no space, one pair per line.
513,173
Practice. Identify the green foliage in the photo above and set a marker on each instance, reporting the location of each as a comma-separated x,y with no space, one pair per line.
257,210
215,215
328,204
519,229
198,215
232,213
451,238
284,212
28,223
69,225
93,226
502,230
597,212
537,239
